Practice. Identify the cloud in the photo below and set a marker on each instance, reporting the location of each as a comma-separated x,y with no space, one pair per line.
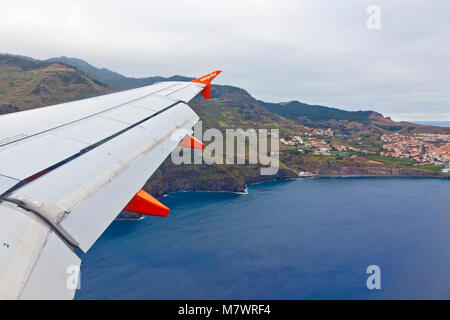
315,51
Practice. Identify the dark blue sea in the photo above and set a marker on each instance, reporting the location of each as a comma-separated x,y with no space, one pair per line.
302,239
434,123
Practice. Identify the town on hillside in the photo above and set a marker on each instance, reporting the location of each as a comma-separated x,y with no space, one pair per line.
422,148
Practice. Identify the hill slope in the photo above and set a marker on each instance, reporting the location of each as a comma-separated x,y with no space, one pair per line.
317,116
298,110
112,78
39,83
301,113
27,84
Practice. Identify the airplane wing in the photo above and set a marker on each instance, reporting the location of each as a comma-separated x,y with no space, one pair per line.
68,170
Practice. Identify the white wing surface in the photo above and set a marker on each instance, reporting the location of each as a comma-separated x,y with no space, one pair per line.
66,172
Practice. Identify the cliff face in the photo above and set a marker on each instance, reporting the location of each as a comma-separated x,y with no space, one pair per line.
228,178
375,116
26,84
350,169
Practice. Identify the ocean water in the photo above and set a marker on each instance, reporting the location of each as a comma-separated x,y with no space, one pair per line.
301,239
434,123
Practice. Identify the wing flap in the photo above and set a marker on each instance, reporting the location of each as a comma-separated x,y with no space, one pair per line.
127,161
22,239
34,261
89,220
68,170
55,275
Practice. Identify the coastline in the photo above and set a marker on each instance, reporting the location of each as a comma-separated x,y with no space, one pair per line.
381,176
245,191
312,177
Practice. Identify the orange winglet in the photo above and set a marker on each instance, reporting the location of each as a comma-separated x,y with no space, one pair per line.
143,203
191,142
206,92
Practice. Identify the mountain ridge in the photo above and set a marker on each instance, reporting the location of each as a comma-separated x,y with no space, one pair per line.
112,78
28,83
306,114
103,75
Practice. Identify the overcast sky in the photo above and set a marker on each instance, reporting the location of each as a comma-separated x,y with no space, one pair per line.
316,51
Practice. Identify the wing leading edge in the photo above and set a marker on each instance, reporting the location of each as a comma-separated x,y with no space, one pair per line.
67,171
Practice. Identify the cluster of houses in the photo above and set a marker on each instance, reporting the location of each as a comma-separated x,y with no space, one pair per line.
314,140
426,149
319,146
433,149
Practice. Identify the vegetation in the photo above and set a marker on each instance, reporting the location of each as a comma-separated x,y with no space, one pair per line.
297,110
403,163
27,83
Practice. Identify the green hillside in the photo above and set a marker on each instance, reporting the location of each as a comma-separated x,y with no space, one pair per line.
314,116
26,83
298,111
39,83
112,78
